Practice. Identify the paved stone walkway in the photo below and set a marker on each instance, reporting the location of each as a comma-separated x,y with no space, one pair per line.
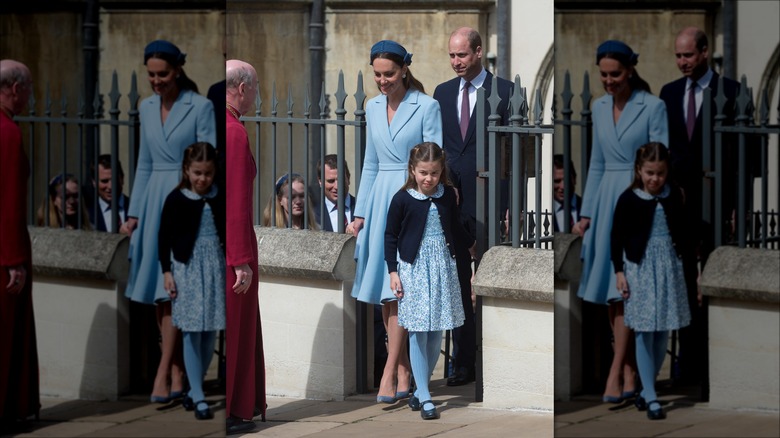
361,416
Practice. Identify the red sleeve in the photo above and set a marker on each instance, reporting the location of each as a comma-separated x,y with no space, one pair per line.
239,177
14,170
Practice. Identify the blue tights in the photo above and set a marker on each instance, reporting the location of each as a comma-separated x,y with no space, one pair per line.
198,349
650,354
424,350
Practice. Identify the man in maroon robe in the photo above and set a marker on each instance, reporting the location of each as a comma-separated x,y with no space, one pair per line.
19,390
245,372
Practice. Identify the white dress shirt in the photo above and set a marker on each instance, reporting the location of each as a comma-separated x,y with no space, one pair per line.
476,83
333,210
703,82
105,208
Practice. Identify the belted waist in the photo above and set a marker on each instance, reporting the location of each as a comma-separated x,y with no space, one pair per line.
392,166
166,166
618,166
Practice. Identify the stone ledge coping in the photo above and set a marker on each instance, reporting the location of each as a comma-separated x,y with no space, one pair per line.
96,255
567,248
318,255
747,274
516,273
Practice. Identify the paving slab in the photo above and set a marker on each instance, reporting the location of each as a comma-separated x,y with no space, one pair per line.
687,416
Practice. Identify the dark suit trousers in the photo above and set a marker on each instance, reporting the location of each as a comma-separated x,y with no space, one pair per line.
464,337
694,352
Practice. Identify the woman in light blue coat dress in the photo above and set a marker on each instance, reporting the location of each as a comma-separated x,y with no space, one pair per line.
401,117
624,119
171,120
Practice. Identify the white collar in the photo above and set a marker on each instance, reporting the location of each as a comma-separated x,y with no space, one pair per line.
331,205
703,82
477,81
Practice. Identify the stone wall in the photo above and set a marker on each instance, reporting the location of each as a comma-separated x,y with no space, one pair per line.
743,286
517,327
81,313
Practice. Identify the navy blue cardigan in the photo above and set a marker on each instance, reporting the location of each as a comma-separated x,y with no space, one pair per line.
180,223
406,223
633,221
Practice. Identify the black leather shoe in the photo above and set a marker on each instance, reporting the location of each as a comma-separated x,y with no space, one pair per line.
429,414
238,425
203,414
640,403
655,414
187,403
414,403
461,377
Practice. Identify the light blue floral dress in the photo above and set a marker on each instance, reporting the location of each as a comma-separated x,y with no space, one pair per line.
199,305
659,298
431,300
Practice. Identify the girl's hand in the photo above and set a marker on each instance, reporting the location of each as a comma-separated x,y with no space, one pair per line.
356,225
581,226
622,285
243,278
169,284
395,285
129,226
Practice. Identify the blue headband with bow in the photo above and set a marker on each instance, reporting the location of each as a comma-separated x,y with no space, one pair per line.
388,46
162,46
618,47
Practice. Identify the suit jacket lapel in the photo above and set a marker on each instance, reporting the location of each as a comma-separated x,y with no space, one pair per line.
179,111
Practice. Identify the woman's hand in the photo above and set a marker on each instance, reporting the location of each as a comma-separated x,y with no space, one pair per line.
129,226
169,284
357,225
622,285
243,278
581,226
395,285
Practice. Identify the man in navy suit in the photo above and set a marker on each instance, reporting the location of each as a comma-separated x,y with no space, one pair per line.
559,194
331,184
686,147
460,146
102,221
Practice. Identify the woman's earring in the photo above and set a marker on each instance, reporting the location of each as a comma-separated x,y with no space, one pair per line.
404,76
178,76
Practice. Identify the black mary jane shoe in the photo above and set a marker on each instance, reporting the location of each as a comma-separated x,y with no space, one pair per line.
203,414
414,403
187,403
238,425
428,414
640,403
655,414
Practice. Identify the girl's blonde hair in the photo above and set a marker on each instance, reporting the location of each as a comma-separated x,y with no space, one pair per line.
55,220
426,152
275,203
650,152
